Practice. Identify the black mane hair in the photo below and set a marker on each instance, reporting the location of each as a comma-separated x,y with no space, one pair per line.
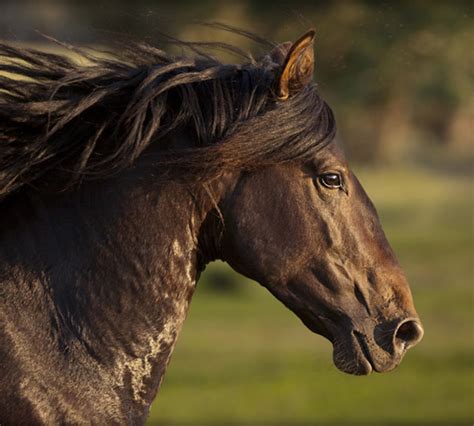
90,117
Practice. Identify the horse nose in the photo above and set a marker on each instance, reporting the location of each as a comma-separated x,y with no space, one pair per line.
408,334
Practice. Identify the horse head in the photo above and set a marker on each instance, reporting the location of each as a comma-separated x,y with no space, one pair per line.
309,233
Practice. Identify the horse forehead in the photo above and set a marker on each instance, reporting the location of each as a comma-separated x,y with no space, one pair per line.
332,156
333,153
337,151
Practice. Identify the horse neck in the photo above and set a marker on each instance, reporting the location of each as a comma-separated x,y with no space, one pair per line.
113,269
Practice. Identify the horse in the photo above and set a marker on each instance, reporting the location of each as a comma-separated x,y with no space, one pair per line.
124,175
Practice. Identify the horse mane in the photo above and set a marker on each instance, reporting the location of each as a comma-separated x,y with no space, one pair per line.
64,120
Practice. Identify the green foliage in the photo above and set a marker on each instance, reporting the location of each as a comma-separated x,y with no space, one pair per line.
219,278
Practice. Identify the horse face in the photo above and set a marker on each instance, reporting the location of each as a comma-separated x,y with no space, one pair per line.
310,234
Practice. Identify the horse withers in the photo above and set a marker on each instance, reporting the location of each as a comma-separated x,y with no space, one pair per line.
122,179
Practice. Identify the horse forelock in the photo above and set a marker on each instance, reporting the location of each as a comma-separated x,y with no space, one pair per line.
75,121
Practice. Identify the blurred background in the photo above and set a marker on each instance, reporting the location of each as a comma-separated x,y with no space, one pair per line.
399,76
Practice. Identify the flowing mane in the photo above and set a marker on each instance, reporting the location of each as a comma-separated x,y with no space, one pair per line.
62,121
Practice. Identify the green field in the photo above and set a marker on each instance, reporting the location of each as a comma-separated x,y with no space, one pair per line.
243,358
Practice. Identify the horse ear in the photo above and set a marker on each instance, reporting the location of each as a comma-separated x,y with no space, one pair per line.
298,65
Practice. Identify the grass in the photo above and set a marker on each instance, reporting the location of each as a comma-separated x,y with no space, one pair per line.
243,358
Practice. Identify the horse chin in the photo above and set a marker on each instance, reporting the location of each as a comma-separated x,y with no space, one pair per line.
351,356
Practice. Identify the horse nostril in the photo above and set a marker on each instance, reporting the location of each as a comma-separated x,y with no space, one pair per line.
408,333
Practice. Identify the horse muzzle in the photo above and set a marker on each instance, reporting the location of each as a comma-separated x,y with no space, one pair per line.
381,348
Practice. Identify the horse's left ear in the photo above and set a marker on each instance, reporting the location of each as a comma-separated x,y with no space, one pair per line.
298,66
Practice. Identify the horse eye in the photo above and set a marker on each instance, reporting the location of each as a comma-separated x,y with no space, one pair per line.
331,180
